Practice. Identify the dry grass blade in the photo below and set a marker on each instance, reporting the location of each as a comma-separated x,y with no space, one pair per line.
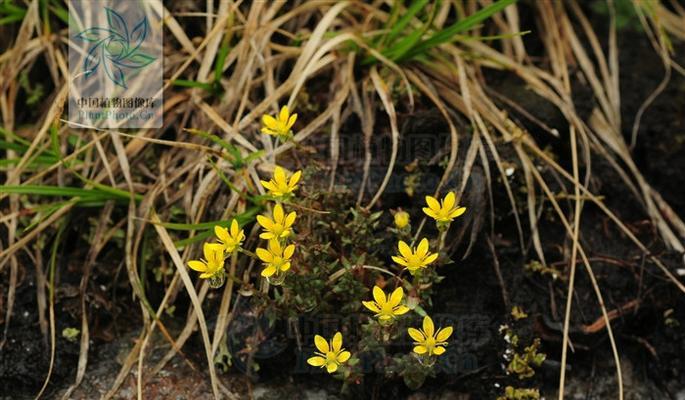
384,94
197,305
597,201
570,231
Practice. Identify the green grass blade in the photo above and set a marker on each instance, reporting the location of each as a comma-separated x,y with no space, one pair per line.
467,23
101,193
402,23
243,218
192,84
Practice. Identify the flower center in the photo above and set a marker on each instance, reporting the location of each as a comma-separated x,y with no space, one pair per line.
386,310
331,357
278,262
415,261
278,229
430,344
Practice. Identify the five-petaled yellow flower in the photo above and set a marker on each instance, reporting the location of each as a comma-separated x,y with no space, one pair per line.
232,239
329,356
280,185
386,308
401,219
213,262
415,259
279,126
427,340
277,227
276,258
445,210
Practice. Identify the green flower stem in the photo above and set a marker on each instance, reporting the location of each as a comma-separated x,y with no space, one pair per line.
249,253
443,236
416,281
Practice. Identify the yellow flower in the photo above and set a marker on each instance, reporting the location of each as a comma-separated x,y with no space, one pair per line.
278,227
415,259
213,262
280,185
427,340
401,219
279,126
386,308
329,356
230,240
444,211
276,258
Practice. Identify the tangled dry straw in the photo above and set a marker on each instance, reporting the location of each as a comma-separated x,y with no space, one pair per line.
270,52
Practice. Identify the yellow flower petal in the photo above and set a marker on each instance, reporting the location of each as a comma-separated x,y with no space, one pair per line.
207,251
430,258
430,213
321,344
331,367
275,247
284,114
457,212
404,249
438,350
449,201
443,334
285,266
278,213
422,249
265,222
428,327
400,261
379,296
396,297
316,361
235,228
279,175
401,310
416,334
289,250
344,356
433,203
221,233
197,265
420,349
268,271
336,343
270,122
371,306
264,255
290,219
268,186
295,178
291,121
214,254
